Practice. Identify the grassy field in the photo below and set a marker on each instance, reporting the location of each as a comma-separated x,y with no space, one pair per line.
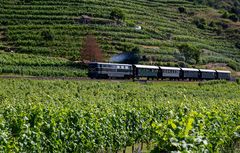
95,116
164,28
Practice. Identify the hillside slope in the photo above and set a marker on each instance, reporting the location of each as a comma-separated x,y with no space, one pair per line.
47,28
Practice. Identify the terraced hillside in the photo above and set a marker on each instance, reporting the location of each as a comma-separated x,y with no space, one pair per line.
35,29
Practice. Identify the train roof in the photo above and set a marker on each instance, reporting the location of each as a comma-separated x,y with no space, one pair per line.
206,70
221,71
110,63
147,66
190,69
169,68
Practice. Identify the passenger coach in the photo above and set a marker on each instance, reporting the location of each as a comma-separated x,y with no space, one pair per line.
109,70
146,71
223,75
169,72
206,74
188,73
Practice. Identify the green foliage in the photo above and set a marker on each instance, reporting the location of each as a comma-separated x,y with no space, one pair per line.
47,35
130,23
23,64
237,45
182,9
190,53
225,15
71,116
117,14
238,80
41,28
234,65
26,1
212,82
200,23
234,18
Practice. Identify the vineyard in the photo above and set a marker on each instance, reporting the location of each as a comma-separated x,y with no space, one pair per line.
24,23
71,116
31,65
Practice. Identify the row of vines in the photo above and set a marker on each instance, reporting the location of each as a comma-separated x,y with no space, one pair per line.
69,116
162,27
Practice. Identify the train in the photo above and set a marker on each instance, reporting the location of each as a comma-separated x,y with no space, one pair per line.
101,70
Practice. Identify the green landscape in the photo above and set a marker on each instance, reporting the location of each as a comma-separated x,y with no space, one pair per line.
35,29
96,116
47,103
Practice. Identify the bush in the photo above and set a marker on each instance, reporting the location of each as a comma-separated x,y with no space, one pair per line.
191,13
223,25
233,17
234,65
212,24
182,10
130,23
225,15
117,14
26,1
238,81
47,35
219,32
212,82
191,53
237,45
182,64
200,23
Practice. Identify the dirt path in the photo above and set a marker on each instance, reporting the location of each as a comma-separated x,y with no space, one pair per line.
150,47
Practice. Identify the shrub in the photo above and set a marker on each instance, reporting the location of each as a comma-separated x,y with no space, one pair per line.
117,14
237,45
219,32
47,35
26,1
238,81
223,25
182,64
212,82
200,23
233,17
130,23
212,24
182,10
234,65
191,13
190,53
225,15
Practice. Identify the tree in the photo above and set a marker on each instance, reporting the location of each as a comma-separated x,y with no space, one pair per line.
191,53
200,23
237,44
182,9
117,14
91,50
47,35
233,17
